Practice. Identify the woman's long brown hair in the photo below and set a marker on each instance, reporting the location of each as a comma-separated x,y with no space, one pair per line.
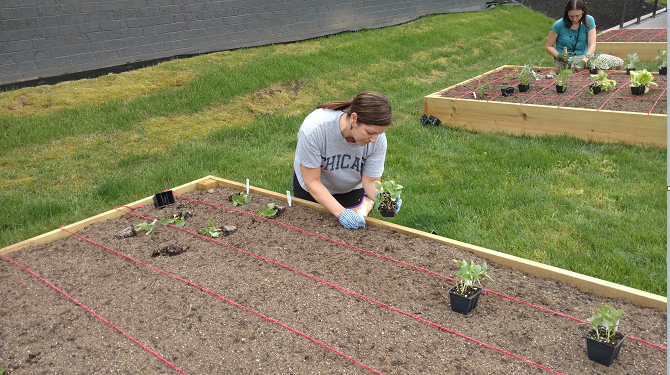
372,108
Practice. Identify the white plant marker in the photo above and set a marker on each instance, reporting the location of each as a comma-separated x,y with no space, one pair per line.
247,186
475,95
288,197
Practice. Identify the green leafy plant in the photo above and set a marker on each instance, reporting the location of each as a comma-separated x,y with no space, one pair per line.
146,226
631,60
268,212
562,77
608,318
663,56
387,191
593,57
2,370
211,230
642,78
176,220
601,80
468,274
526,74
241,199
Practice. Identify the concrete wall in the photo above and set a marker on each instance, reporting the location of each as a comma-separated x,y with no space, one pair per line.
45,38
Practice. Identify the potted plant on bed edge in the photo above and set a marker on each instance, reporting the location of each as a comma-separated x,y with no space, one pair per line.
464,295
663,68
603,342
631,60
640,82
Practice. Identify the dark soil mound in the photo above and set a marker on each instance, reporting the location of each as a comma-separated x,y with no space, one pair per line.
607,13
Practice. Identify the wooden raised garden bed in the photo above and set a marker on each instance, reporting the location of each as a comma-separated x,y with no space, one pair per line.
621,42
298,294
614,116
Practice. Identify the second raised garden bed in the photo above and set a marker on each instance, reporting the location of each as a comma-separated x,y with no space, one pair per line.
644,42
613,116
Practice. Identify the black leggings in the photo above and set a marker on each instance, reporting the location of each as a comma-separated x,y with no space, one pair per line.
351,199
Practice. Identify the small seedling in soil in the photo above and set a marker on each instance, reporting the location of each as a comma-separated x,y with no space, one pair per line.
2,370
468,274
267,212
146,226
241,199
169,250
211,230
177,220
387,194
605,322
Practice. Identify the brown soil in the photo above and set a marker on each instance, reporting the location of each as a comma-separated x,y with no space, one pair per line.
43,332
635,35
543,92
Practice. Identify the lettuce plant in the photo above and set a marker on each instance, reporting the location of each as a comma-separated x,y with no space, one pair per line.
241,199
642,78
267,212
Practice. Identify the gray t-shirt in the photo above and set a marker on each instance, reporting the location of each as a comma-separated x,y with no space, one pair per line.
321,144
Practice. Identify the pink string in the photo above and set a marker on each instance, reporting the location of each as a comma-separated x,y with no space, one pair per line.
657,35
96,315
324,282
657,100
217,295
390,259
641,32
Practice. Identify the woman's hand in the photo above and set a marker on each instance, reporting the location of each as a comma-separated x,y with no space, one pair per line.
351,220
563,57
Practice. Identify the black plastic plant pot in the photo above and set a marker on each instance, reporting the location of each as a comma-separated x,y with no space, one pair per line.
594,71
507,91
462,304
561,89
639,90
164,199
628,70
595,89
602,352
663,71
386,213
523,88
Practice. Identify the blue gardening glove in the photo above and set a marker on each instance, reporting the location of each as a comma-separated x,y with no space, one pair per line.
563,57
351,220
398,203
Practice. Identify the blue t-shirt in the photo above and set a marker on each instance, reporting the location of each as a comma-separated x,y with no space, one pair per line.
579,43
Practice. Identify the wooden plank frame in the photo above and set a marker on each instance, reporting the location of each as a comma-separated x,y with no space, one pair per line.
534,120
645,50
584,283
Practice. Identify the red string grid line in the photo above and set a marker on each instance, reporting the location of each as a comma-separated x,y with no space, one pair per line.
96,315
218,295
400,262
326,283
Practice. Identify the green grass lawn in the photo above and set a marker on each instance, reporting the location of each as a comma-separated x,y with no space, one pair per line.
68,153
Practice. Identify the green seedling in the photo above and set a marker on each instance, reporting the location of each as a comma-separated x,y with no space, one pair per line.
267,212
211,230
601,80
642,78
593,57
526,74
663,56
608,318
146,226
562,77
631,60
177,221
2,370
387,188
241,199
468,274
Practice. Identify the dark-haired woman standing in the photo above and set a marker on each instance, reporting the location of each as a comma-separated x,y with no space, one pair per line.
340,154
576,33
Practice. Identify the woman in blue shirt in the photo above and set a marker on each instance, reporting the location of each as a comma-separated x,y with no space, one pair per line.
574,36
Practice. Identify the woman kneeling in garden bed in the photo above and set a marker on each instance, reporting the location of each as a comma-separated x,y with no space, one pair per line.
575,36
